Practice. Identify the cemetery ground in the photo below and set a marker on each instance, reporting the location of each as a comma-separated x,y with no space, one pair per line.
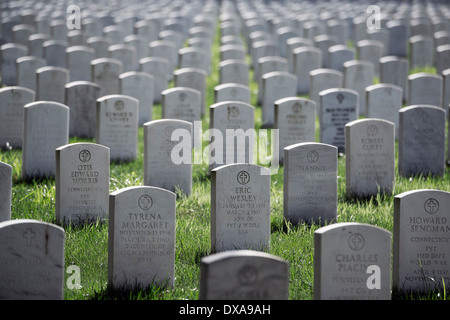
87,246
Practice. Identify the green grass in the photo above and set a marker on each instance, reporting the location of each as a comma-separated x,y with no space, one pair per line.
87,246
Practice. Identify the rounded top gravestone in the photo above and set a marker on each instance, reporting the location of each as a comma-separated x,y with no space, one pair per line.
5,191
81,183
244,275
141,242
421,261
370,157
345,255
32,260
240,207
46,127
338,107
310,183
421,147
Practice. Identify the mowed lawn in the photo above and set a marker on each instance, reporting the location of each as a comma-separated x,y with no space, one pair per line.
87,246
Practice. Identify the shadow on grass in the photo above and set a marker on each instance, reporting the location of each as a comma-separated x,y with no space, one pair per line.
374,200
83,224
431,295
136,292
36,180
199,254
285,226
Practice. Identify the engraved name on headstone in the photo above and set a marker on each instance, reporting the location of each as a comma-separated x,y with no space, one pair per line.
421,142
12,101
235,121
310,183
421,262
81,183
141,245
338,107
295,118
117,126
370,157
240,207
352,261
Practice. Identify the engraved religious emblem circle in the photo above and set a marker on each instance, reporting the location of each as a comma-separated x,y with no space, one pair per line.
233,112
145,202
84,155
356,241
296,107
119,105
243,177
372,130
247,275
168,131
312,156
431,206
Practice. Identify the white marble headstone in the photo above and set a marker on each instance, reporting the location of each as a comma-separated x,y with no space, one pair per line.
305,59
425,88
195,79
81,183
295,118
394,70
240,207
421,140
244,275
276,85
81,98
50,84
161,145
234,71
352,261
421,262
359,74
338,107
232,92
32,256
46,127
141,242
139,85
105,72
310,183
26,71
12,101
158,67
117,126
235,138
370,157
5,191
79,62
9,52
383,101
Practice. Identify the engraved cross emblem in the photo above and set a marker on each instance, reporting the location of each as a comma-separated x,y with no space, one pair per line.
356,241
145,202
243,177
85,155
29,235
312,156
233,112
431,205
